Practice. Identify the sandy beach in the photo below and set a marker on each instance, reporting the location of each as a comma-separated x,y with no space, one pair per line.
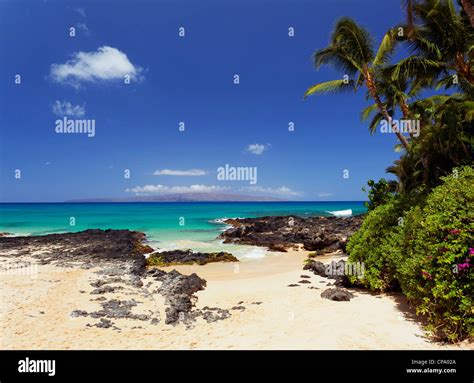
35,311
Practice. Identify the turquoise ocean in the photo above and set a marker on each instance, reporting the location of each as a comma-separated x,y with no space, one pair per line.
168,225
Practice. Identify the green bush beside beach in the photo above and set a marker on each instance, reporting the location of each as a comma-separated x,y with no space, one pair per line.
422,244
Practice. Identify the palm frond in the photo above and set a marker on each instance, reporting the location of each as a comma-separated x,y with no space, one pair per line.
385,49
426,47
354,39
334,86
446,82
367,112
417,67
375,122
469,109
337,58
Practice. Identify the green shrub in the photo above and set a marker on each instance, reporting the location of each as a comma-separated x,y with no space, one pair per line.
376,244
424,244
435,271
379,240
379,193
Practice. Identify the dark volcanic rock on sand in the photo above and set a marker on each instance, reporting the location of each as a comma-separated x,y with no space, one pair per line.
120,256
280,232
334,270
93,247
317,267
179,289
187,257
337,294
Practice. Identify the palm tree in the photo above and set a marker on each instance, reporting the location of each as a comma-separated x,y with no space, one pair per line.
396,94
351,51
444,143
468,7
407,172
408,5
442,46
426,109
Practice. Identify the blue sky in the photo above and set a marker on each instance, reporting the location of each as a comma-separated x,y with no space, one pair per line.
177,79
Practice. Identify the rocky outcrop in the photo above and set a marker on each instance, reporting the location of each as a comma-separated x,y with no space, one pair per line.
119,256
337,294
278,233
334,270
188,257
179,289
116,309
91,248
317,267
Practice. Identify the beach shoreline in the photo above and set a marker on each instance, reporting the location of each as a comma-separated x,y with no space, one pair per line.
265,313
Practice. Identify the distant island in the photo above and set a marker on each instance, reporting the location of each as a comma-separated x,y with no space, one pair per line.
182,197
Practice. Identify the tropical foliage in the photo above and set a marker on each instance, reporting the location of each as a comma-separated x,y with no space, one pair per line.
422,244
351,51
420,227
380,193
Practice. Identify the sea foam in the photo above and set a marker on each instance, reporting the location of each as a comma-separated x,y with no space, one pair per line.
341,213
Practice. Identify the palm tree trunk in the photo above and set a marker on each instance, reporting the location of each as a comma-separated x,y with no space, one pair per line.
382,109
463,68
468,7
406,113
409,5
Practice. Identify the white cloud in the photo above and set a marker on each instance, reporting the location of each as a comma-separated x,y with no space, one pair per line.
105,64
189,172
256,148
161,189
65,108
81,11
282,190
197,188
324,194
84,28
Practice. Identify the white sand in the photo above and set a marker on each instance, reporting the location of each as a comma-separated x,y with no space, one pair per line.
287,318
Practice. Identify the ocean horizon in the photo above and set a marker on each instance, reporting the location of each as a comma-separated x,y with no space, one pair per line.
168,225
